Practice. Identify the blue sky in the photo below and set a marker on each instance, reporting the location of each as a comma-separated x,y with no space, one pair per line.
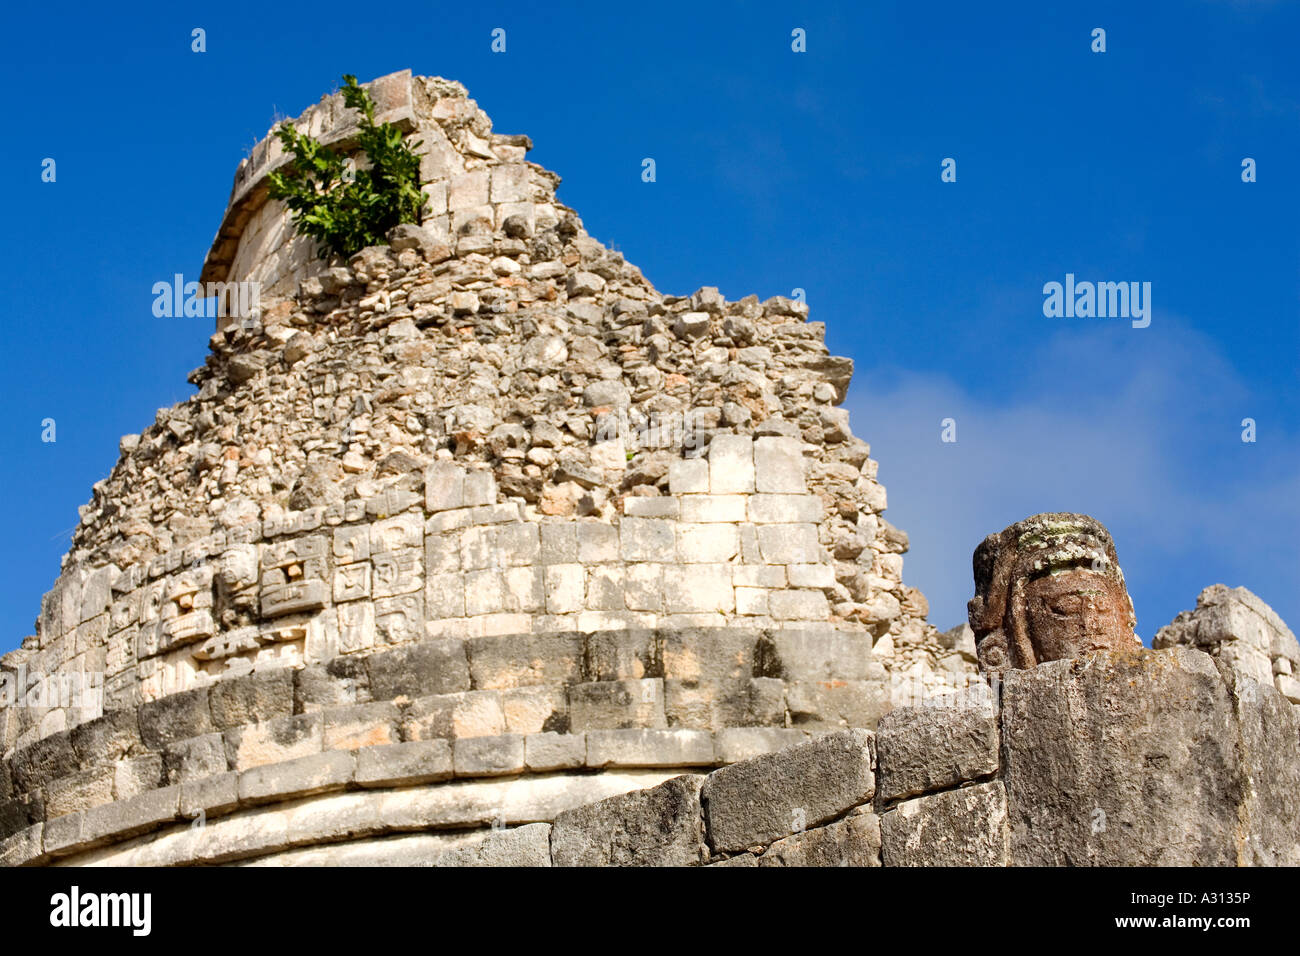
775,170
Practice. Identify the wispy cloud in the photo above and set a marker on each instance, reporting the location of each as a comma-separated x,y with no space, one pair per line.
1141,431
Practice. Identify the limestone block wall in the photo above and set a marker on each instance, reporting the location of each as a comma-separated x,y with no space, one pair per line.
442,709
490,450
1242,633
1148,758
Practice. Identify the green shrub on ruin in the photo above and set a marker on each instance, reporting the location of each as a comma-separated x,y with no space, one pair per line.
346,210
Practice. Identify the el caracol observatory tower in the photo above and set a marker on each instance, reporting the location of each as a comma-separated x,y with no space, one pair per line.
471,529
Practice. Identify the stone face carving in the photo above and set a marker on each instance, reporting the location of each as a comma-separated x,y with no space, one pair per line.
293,575
1048,588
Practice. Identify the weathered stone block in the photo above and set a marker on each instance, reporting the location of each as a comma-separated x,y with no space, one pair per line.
643,587
698,588
611,705
1270,727
442,553
475,713
656,507
397,572
821,576
529,845
444,596
831,704
351,582
1140,753
404,764
283,738
343,680
318,773
648,539
758,576
566,588
60,834
23,846
489,756
821,654
649,748
467,190
135,775
789,543
597,541
484,592
605,587
731,464
922,749
853,841
436,666
662,826
361,725
702,654
524,589
770,797
126,818
798,605
399,620
714,705
559,543
110,737
263,695
520,660
209,796
481,492
688,476
707,543
966,827
352,544
553,751
175,717
195,757
712,508
80,790
733,744
784,509
778,466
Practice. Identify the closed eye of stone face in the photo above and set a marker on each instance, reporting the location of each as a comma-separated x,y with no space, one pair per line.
1067,605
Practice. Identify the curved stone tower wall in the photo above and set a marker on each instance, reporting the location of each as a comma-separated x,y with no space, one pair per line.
472,528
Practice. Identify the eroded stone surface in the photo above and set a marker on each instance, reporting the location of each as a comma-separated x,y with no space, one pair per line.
1123,759
663,826
1048,588
964,827
773,796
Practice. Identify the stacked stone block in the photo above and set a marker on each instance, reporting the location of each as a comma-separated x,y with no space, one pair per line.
482,486
1243,634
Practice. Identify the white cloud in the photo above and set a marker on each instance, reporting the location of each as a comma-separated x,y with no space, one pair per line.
1137,428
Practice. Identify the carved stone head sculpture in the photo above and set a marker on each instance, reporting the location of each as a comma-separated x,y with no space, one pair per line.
1047,588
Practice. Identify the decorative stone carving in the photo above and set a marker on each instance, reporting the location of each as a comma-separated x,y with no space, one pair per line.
293,576
1048,588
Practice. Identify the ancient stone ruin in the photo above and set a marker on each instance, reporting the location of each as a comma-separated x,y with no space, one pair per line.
477,549
1049,588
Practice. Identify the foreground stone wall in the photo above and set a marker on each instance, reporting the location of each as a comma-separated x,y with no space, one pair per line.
442,708
1149,757
1142,758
